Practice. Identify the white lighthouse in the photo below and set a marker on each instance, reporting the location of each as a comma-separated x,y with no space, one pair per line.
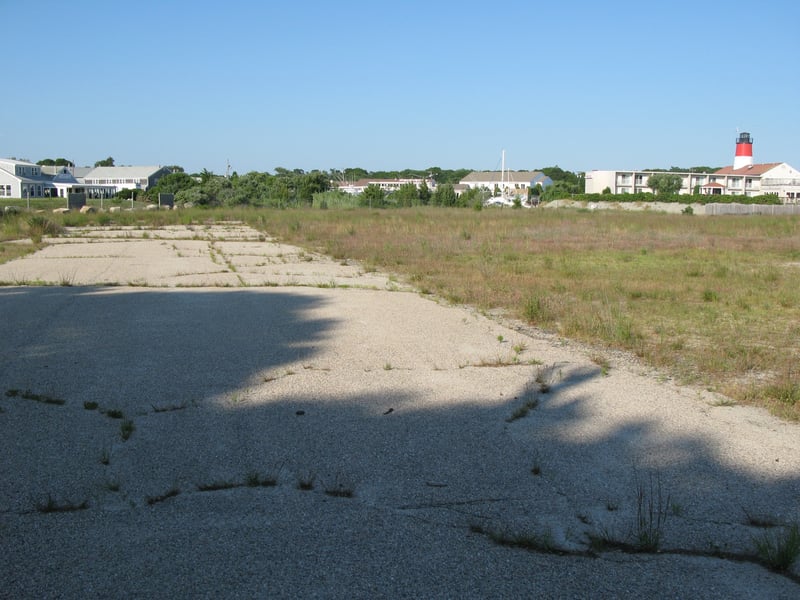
744,151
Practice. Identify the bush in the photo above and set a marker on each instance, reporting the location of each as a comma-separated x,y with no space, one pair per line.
39,226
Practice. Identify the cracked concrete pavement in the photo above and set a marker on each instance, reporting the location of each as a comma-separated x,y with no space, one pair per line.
249,370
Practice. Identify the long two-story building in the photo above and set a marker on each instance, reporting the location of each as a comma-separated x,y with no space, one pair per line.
743,178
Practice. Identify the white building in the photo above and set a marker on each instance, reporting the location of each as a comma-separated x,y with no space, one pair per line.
506,183
387,185
121,178
23,179
779,179
743,178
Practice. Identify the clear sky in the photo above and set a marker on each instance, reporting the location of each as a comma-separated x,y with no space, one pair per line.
392,85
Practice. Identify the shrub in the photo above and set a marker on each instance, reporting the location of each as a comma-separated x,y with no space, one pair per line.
39,226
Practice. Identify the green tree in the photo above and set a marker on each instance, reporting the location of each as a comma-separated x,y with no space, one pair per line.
195,195
472,197
128,193
664,184
372,196
424,193
308,184
445,195
205,175
406,195
106,162
59,162
355,173
171,184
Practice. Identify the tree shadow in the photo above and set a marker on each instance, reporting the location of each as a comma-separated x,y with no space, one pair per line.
205,377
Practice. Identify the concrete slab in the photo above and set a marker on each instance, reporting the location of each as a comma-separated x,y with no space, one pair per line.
403,417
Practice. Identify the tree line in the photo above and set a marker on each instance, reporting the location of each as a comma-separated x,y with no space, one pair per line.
296,187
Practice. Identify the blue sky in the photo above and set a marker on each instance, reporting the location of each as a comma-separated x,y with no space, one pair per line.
393,85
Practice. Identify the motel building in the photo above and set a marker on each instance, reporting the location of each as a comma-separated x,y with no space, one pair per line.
743,178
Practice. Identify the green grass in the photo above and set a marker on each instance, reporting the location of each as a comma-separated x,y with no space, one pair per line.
712,300
779,549
126,429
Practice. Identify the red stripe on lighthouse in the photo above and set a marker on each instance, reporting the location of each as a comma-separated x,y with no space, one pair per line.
744,149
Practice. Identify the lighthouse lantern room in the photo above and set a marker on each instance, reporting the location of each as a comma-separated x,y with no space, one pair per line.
744,151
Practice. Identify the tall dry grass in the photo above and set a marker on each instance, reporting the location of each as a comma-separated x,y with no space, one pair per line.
715,301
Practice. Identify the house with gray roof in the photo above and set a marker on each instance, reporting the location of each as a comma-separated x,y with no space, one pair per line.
506,183
120,178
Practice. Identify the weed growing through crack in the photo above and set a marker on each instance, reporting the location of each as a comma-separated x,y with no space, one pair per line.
126,429
779,550
527,541
651,514
29,395
169,407
51,505
305,481
90,405
543,378
256,479
165,496
602,362
522,411
105,457
218,485
339,488
759,519
113,413
536,469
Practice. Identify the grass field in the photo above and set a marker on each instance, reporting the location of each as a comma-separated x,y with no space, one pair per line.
712,300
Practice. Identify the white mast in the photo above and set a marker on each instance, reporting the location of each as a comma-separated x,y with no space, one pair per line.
503,175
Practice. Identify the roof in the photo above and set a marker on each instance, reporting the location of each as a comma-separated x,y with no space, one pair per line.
498,176
14,161
713,184
749,170
122,172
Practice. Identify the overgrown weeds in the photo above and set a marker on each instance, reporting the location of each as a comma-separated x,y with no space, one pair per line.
40,226
779,549
652,508
594,283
